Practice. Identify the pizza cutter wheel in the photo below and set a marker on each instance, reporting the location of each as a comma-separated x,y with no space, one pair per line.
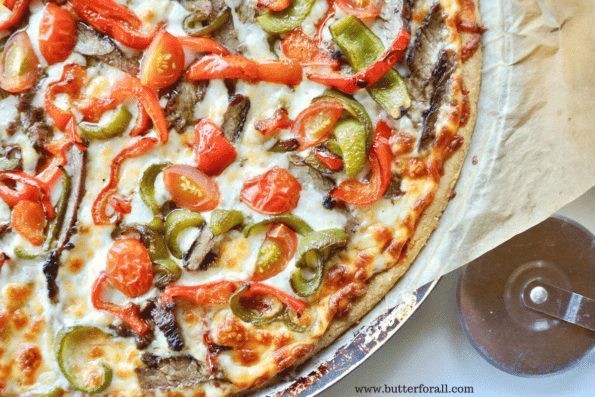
528,305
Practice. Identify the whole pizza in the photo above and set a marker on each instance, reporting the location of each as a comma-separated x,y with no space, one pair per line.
196,195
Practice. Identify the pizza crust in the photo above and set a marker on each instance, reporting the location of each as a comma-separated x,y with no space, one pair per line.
381,283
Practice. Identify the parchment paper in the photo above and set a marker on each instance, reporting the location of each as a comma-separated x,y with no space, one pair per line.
534,138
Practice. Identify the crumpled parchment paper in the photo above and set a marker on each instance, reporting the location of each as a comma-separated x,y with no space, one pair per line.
534,139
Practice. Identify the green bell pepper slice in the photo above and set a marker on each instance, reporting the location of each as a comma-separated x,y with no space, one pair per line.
176,222
289,145
54,225
355,109
69,336
312,252
147,186
116,126
351,136
286,20
166,272
362,48
293,222
222,221
193,23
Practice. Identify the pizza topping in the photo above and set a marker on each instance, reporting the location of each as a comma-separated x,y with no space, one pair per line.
278,121
293,222
235,117
129,313
19,8
215,293
272,193
165,320
365,9
315,123
288,145
286,20
116,126
351,136
33,187
57,34
114,20
190,188
279,246
371,74
65,345
223,221
196,24
147,186
296,45
312,252
176,222
163,62
172,372
328,159
11,159
362,48
19,66
380,157
28,219
211,67
200,256
274,5
250,305
129,267
203,45
214,152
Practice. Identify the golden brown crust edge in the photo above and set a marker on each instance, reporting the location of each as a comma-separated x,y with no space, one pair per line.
381,283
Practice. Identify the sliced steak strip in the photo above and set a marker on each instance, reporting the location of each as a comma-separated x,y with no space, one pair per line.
204,243
164,373
305,173
226,35
179,111
235,117
441,75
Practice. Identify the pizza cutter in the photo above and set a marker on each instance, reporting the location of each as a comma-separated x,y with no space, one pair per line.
528,306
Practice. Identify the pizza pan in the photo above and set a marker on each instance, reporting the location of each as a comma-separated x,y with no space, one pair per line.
346,353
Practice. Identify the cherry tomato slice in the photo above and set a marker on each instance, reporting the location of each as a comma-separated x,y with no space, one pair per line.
275,252
163,62
129,267
190,188
363,9
296,45
315,123
57,34
19,64
28,219
272,193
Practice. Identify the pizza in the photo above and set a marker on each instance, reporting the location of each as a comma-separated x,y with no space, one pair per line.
199,194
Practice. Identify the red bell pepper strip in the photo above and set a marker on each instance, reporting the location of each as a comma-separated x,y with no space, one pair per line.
19,7
74,136
21,177
370,75
219,292
203,44
296,45
99,209
276,122
213,151
116,21
380,157
211,67
129,86
215,293
71,83
274,5
329,159
142,121
121,204
51,173
130,313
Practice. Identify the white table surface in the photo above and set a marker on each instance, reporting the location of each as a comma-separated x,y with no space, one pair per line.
431,349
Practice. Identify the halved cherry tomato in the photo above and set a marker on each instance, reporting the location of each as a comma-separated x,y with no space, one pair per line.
28,219
57,34
213,151
296,45
277,121
279,246
19,65
18,7
272,193
362,9
315,123
191,188
129,267
163,62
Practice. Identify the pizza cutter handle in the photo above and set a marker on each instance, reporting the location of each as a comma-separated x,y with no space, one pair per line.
560,303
